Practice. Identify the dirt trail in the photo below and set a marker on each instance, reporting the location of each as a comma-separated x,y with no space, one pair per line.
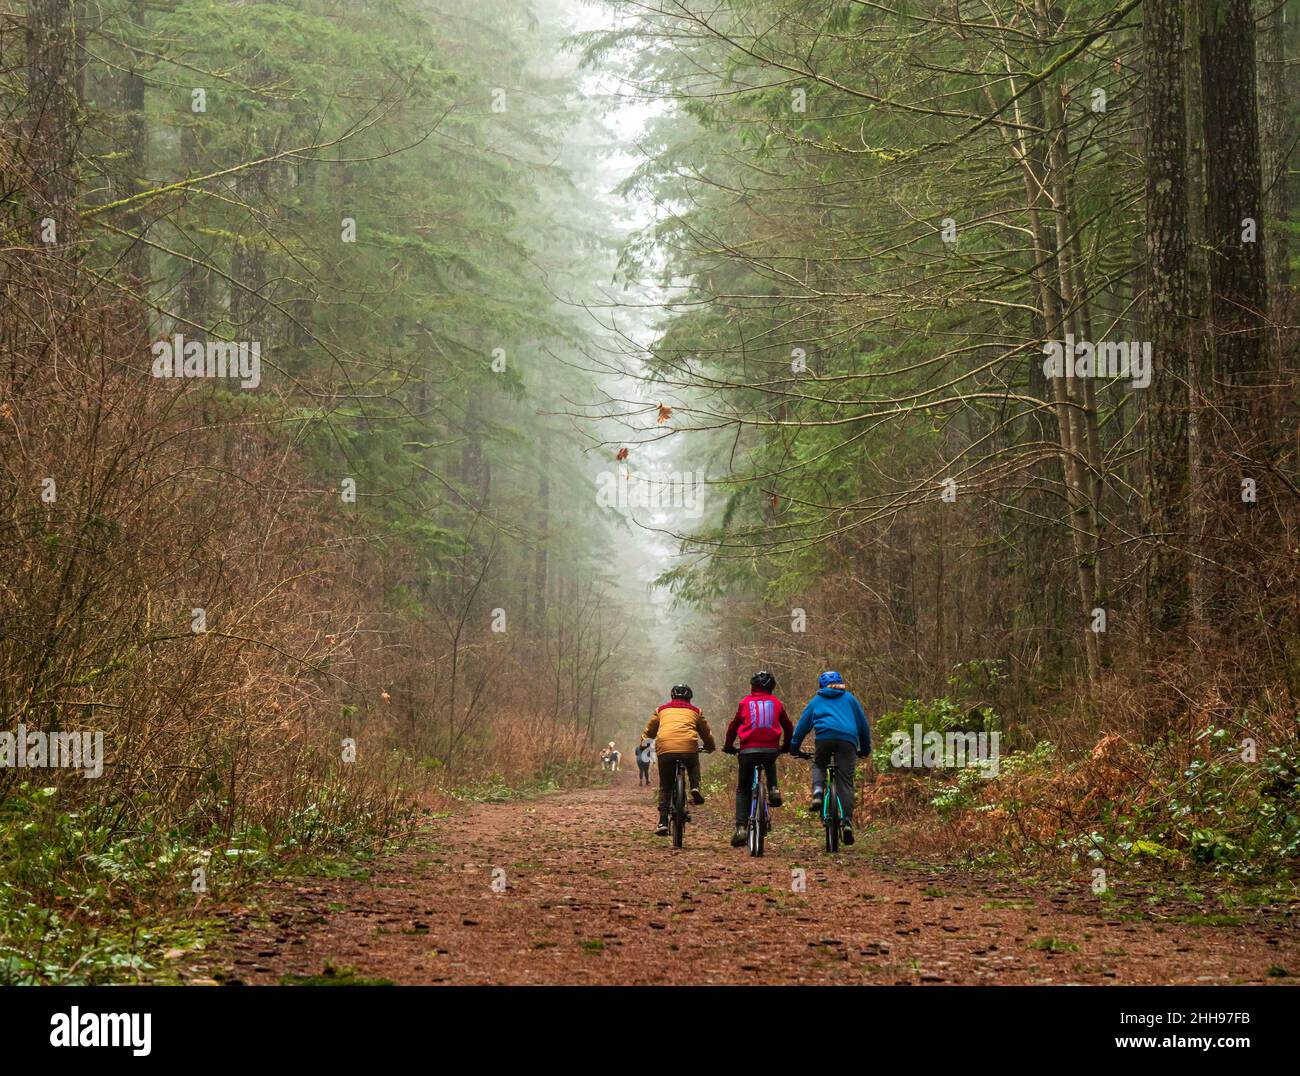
592,896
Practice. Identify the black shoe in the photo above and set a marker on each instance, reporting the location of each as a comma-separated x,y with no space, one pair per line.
817,797
697,797
774,797
846,834
739,838
661,830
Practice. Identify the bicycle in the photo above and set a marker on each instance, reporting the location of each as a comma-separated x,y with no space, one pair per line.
678,816
759,823
832,809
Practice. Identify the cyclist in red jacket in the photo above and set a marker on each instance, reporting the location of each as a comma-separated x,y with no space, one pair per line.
763,729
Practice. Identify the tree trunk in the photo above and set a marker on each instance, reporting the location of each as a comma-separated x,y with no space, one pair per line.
136,262
1274,149
539,561
196,278
1201,358
1240,433
1167,301
51,116
1078,450
1238,301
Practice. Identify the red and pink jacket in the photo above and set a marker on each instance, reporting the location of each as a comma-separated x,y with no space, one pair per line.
759,722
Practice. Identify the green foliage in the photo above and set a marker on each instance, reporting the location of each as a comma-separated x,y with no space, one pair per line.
1053,945
1236,818
334,976
83,900
1226,813
959,796
941,716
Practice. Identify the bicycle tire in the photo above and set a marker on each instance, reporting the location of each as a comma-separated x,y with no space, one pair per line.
679,807
831,814
758,815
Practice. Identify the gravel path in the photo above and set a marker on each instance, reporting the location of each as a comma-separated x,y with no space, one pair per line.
573,887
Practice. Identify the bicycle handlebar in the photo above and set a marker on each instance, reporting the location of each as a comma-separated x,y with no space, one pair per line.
805,754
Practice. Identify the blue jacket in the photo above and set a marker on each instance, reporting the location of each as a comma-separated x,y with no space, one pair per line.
836,715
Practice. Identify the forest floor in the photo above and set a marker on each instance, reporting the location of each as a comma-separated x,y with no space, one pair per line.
586,894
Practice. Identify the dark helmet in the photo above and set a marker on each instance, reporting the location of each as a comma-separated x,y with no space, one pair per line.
763,681
681,691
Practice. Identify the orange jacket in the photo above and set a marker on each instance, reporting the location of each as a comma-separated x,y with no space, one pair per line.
675,726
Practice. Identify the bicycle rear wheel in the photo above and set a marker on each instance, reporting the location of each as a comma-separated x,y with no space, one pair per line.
831,813
758,817
679,806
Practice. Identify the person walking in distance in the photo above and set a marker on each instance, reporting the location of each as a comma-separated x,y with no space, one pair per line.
645,756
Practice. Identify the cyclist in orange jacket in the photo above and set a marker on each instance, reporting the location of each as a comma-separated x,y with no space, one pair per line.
677,727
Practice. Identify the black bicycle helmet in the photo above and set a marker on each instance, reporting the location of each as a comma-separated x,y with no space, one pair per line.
681,691
763,681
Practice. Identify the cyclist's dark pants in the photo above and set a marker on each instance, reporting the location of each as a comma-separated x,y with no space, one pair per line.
644,767
667,766
750,760
845,756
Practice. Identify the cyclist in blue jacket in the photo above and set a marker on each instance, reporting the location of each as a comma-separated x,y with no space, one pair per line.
842,734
